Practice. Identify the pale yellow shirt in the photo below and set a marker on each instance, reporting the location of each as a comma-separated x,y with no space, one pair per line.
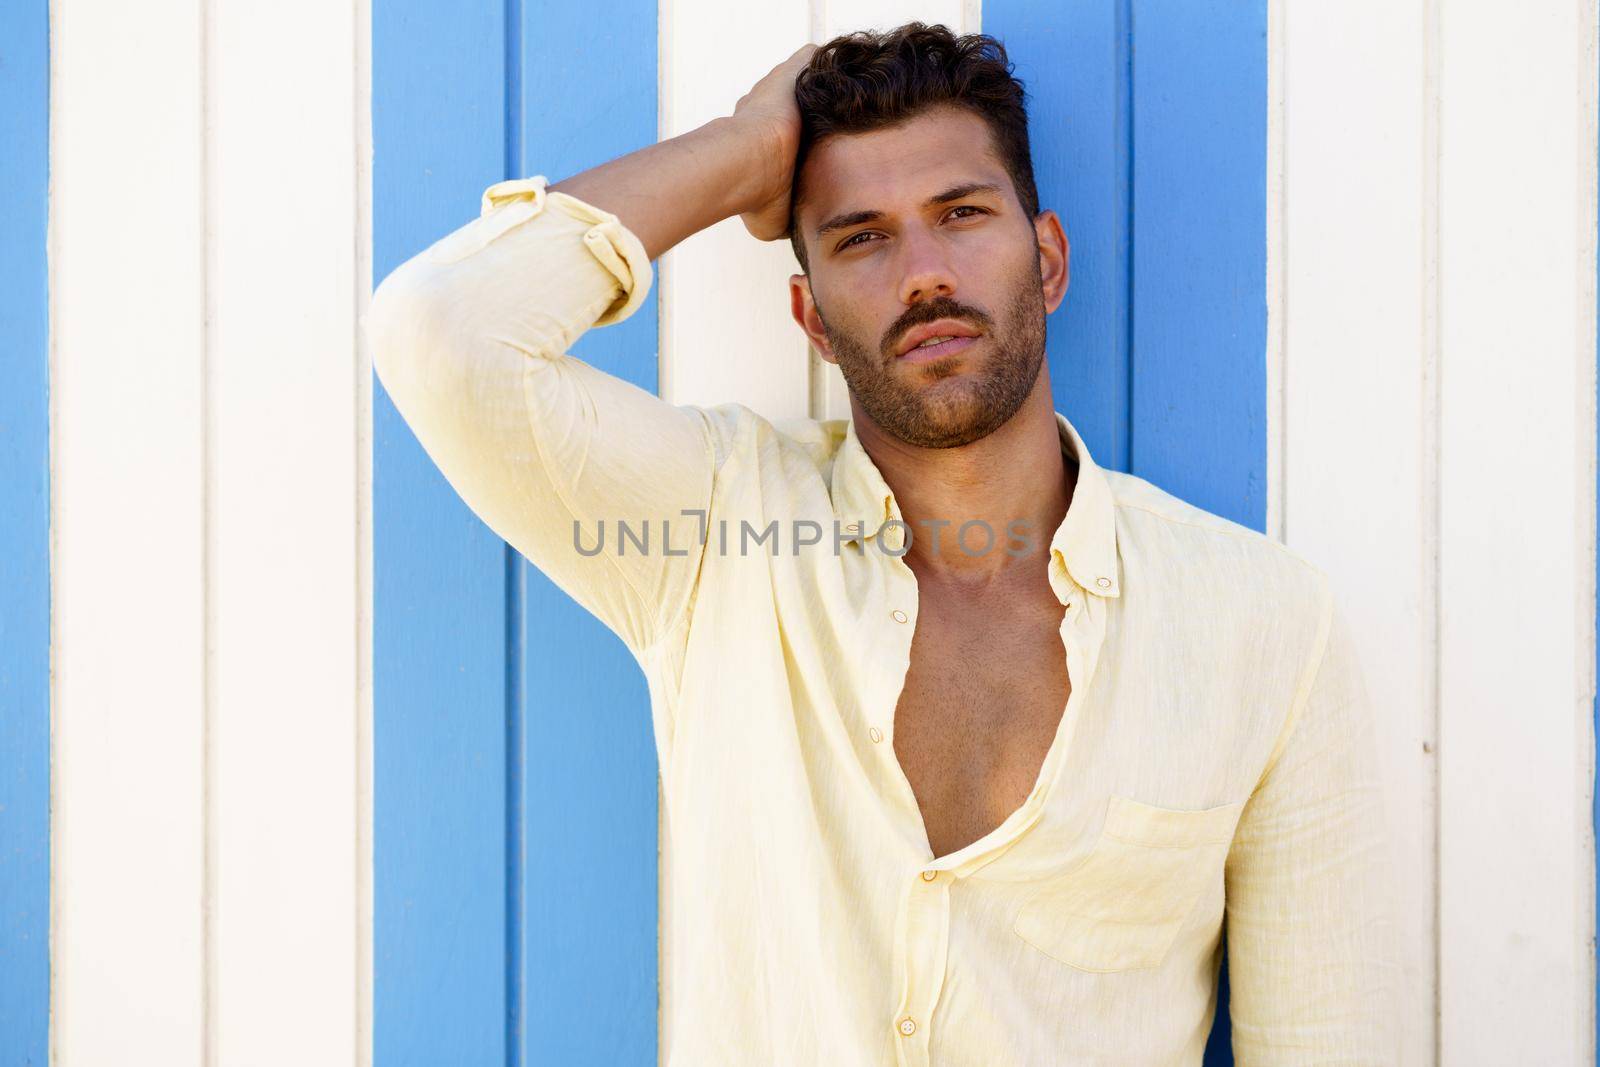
1216,756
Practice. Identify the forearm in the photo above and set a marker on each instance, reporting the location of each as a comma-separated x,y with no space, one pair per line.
668,191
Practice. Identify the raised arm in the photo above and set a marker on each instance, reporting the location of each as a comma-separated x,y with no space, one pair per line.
1314,966
471,339
742,165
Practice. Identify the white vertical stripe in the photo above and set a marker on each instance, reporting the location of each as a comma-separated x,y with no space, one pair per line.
1516,330
208,510
1355,484
1438,442
287,390
726,331
1432,465
128,533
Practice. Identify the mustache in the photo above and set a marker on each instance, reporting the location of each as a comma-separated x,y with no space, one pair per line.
942,307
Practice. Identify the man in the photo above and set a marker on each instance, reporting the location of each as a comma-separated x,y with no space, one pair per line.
969,751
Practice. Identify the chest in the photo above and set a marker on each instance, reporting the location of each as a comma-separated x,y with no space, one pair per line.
983,696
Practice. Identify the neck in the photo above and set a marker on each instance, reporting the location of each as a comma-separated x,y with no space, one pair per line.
1015,475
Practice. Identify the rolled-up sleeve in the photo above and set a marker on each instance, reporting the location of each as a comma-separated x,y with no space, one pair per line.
1313,948
471,337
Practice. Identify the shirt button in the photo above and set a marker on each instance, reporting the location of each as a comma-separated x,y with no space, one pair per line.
908,1026
928,876
875,734
1103,583
899,616
852,526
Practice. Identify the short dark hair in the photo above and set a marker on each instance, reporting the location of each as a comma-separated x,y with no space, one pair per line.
864,81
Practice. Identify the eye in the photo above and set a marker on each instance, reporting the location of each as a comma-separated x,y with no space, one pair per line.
855,239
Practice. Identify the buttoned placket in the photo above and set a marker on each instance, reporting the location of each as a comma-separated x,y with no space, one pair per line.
922,922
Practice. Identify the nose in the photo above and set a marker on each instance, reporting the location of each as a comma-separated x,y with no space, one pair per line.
928,272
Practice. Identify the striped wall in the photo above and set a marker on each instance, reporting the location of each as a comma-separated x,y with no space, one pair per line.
332,776
24,539
1321,426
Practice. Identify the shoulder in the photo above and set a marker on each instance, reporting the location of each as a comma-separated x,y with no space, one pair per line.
794,442
1187,546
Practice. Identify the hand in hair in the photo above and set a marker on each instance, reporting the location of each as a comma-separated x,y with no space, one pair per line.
740,164
771,113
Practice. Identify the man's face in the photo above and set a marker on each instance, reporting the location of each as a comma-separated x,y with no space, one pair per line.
913,230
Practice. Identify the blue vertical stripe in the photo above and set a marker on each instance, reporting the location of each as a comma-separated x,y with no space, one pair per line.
440,672
516,772
1199,347
1148,125
24,536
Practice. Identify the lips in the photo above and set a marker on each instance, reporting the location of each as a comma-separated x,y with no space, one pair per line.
923,353
949,335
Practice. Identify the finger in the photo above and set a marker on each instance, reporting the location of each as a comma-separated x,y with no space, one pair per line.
800,56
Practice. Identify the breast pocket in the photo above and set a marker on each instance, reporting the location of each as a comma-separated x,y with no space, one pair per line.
1122,907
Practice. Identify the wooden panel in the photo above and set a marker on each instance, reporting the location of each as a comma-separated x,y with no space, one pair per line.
440,628
24,537
1360,413
284,393
1198,303
584,776
130,531
1516,333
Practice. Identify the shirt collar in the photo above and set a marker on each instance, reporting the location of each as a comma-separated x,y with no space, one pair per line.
1085,543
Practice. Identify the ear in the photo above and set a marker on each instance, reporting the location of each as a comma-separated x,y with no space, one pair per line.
804,309
1053,258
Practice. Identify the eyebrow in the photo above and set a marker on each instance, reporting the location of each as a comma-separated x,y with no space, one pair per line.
856,218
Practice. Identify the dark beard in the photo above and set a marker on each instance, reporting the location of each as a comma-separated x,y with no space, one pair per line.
917,413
